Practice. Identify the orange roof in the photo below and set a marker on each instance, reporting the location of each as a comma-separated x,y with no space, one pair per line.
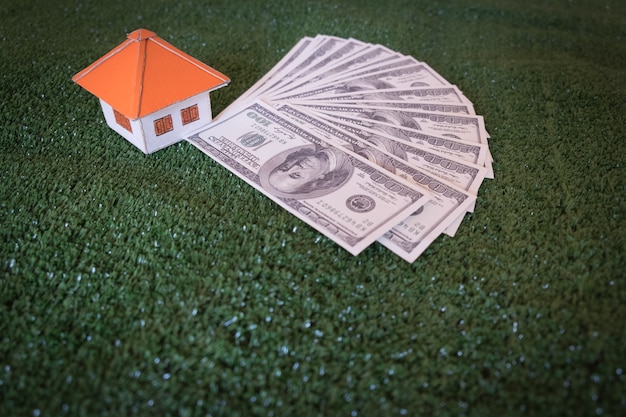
145,74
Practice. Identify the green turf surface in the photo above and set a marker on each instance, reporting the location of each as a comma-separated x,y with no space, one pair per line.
164,285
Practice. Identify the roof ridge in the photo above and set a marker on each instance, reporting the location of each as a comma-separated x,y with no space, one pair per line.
141,34
139,75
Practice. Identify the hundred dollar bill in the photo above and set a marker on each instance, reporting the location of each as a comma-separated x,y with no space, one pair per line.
440,95
375,56
416,75
467,128
476,153
411,237
343,52
349,200
470,128
461,174
314,54
399,158
285,62
460,109
346,70
400,61
303,53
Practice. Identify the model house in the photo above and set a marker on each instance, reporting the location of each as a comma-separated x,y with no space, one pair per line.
151,93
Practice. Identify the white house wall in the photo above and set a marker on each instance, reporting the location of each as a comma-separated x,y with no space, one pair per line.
154,142
135,137
143,134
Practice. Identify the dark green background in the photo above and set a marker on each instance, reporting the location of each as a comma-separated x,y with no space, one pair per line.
164,285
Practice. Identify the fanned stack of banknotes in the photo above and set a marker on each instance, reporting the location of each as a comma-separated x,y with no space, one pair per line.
360,142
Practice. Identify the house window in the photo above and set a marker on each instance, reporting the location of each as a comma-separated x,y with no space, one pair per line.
122,120
163,125
190,114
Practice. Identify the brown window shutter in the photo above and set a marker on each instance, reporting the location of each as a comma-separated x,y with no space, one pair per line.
190,114
122,120
163,125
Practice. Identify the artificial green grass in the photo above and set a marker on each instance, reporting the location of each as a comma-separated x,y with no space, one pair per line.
164,285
